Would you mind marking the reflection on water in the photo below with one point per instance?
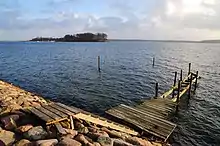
(67, 72)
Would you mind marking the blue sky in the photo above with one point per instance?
(122, 19)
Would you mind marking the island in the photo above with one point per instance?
(79, 37)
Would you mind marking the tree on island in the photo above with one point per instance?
(80, 37)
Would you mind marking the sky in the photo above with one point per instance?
(120, 19)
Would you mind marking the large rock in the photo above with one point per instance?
(156, 144)
(94, 136)
(23, 142)
(36, 133)
(93, 129)
(48, 142)
(24, 128)
(10, 121)
(36, 104)
(89, 144)
(83, 130)
(120, 142)
(81, 138)
(78, 125)
(7, 137)
(69, 142)
(115, 134)
(105, 141)
(71, 132)
(138, 141)
(96, 144)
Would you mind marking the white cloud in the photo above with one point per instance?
(170, 19)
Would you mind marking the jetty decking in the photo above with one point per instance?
(153, 116)
(54, 113)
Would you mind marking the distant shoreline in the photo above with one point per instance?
(172, 41)
(108, 40)
(80, 37)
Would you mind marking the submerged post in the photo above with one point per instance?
(153, 61)
(174, 84)
(178, 96)
(99, 68)
(197, 74)
(156, 90)
(181, 75)
(190, 86)
(189, 68)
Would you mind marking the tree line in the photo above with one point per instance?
(80, 37)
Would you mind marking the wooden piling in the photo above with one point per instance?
(178, 96)
(174, 84)
(156, 90)
(190, 86)
(99, 68)
(181, 75)
(195, 86)
(153, 61)
(189, 68)
(71, 122)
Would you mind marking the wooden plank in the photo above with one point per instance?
(152, 119)
(41, 115)
(153, 112)
(105, 123)
(157, 109)
(48, 113)
(72, 109)
(60, 128)
(159, 106)
(164, 101)
(150, 123)
(141, 123)
(137, 111)
(61, 109)
(55, 111)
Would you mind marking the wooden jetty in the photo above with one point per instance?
(153, 116)
(54, 113)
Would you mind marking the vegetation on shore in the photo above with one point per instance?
(80, 37)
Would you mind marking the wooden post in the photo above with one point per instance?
(156, 90)
(71, 122)
(190, 86)
(99, 69)
(189, 68)
(197, 74)
(181, 75)
(174, 84)
(153, 61)
(178, 96)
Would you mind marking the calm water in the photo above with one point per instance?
(67, 72)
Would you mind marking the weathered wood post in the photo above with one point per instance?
(190, 86)
(197, 74)
(153, 61)
(99, 68)
(189, 68)
(156, 90)
(178, 96)
(181, 75)
(174, 84)
(71, 122)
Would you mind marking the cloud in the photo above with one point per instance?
(159, 19)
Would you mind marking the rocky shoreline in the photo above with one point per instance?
(20, 128)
